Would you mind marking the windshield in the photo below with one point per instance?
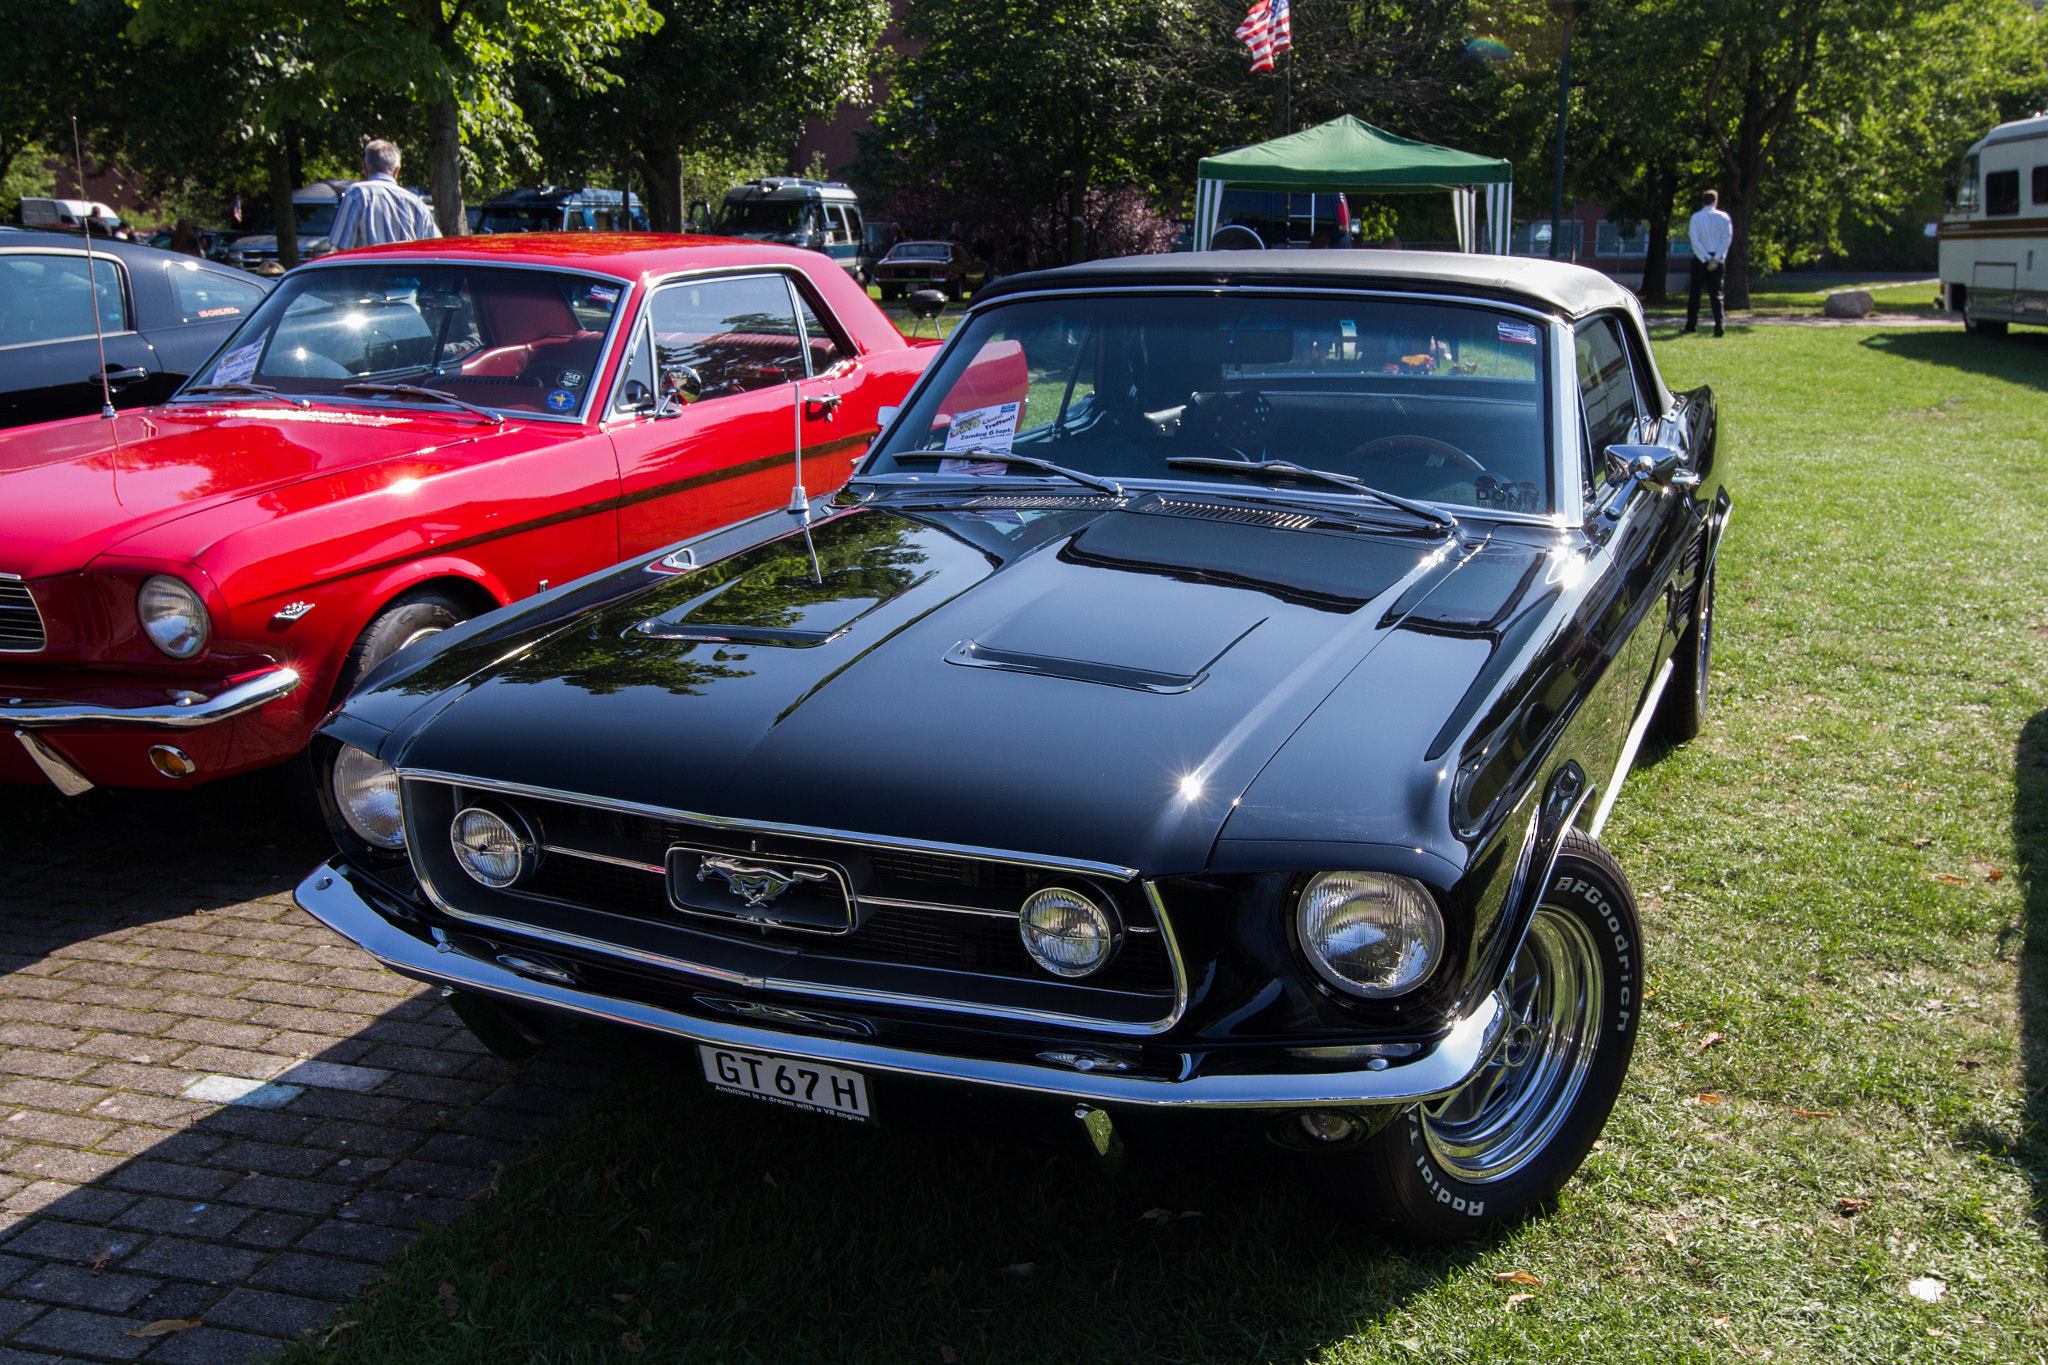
(1440, 402)
(921, 251)
(509, 339)
(763, 215)
(498, 219)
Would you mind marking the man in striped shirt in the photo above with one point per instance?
(375, 209)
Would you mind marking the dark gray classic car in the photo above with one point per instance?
(1206, 698)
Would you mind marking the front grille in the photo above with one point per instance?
(21, 625)
(1255, 516)
(918, 908)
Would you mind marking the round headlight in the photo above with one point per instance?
(491, 848)
(366, 794)
(1065, 932)
(173, 617)
(1370, 933)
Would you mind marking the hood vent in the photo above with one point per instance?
(1041, 500)
(21, 625)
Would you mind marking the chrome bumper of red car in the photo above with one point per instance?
(187, 711)
(330, 896)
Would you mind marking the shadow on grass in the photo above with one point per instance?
(703, 1227)
(2028, 1148)
(2021, 357)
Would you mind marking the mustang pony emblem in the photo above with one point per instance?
(757, 882)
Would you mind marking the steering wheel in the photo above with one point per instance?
(1422, 450)
(1237, 421)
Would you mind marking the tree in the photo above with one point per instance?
(453, 57)
(717, 81)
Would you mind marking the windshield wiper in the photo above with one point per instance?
(415, 391)
(1302, 471)
(976, 453)
(250, 390)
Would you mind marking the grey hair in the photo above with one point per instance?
(380, 156)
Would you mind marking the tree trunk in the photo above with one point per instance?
(1742, 210)
(1077, 212)
(444, 166)
(661, 170)
(281, 212)
(295, 154)
(1657, 258)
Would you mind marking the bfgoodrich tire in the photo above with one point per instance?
(1502, 1147)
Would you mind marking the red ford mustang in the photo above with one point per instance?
(396, 439)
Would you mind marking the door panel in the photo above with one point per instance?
(49, 358)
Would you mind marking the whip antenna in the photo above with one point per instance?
(92, 279)
(798, 499)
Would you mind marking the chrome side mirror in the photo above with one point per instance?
(1632, 466)
(680, 386)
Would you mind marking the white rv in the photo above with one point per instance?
(1994, 237)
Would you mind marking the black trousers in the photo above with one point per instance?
(1712, 279)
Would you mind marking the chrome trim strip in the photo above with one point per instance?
(264, 688)
(894, 903)
(62, 775)
(604, 858)
(328, 896)
(1628, 751)
(993, 855)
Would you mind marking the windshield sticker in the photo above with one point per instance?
(992, 428)
(239, 365)
(561, 400)
(1523, 333)
(571, 379)
(603, 294)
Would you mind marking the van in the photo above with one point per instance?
(822, 215)
(1994, 236)
(552, 208)
(68, 215)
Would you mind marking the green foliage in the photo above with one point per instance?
(27, 175)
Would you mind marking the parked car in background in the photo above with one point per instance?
(160, 315)
(313, 210)
(70, 215)
(553, 209)
(818, 215)
(945, 266)
(212, 241)
(1206, 699)
(1994, 236)
(394, 440)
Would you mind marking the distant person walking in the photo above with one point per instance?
(375, 209)
(1713, 232)
(185, 239)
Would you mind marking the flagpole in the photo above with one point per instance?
(1289, 128)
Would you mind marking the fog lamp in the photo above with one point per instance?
(1065, 932)
(491, 849)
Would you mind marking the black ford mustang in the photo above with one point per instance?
(1207, 696)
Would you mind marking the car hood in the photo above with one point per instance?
(75, 489)
(1105, 693)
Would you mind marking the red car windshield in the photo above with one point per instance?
(497, 337)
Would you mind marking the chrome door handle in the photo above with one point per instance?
(114, 376)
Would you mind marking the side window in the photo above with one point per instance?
(1607, 388)
(737, 335)
(821, 339)
(2002, 193)
(204, 295)
(636, 376)
(47, 298)
(856, 234)
(2041, 184)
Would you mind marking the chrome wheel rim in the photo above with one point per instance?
(1506, 1115)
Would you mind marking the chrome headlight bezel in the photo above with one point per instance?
(511, 856)
(367, 796)
(173, 616)
(1068, 931)
(1375, 907)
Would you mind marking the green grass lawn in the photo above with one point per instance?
(1768, 299)
(1838, 1089)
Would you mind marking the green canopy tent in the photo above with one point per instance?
(1349, 154)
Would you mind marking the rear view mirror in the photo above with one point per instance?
(680, 387)
(1263, 346)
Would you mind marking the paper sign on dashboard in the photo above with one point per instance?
(238, 365)
(992, 429)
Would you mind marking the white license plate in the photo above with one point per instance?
(787, 1080)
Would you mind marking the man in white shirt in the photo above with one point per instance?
(1713, 232)
(375, 209)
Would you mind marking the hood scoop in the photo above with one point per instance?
(1338, 572)
(1073, 633)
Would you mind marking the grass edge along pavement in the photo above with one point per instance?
(1828, 1117)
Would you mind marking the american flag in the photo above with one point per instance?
(1265, 32)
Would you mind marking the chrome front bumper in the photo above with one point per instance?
(258, 689)
(329, 896)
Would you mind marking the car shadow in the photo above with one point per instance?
(148, 943)
(2020, 357)
(2028, 941)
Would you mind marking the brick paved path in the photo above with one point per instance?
(210, 1105)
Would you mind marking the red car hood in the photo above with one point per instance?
(75, 489)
